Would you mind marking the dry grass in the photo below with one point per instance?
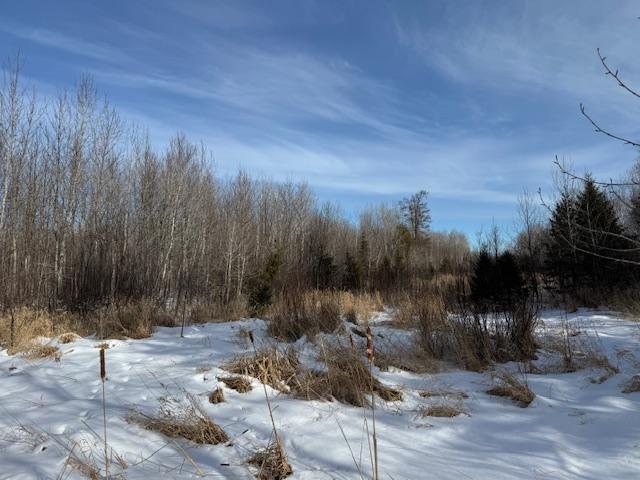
(30, 324)
(68, 337)
(443, 410)
(270, 365)
(217, 312)
(578, 351)
(297, 314)
(84, 468)
(37, 351)
(516, 389)
(632, 385)
(217, 396)
(443, 393)
(181, 419)
(407, 356)
(237, 383)
(130, 320)
(348, 379)
(272, 463)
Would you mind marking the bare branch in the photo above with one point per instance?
(598, 129)
(615, 75)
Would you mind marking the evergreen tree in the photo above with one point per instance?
(261, 287)
(363, 259)
(634, 214)
(599, 236)
(561, 254)
(352, 279)
(483, 286)
(509, 282)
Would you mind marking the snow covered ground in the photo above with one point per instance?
(576, 428)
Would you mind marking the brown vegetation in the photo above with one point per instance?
(68, 337)
(516, 389)
(181, 419)
(270, 365)
(632, 385)
(446, 410)
(237, 383)
(36, 351)
(217, 396)
(272, 463)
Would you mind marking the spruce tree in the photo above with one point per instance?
(561, 254)
(599, 236)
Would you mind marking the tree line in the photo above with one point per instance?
(91, 214)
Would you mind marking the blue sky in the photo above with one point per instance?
(367, 100)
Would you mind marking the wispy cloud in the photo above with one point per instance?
(70, 44)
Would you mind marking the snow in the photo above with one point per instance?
(575, 428)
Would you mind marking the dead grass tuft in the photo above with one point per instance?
(68, 337)
(217, 396)
(181, 419)
(348, 379)
(443, 393)
(37, 351)
(272, 463)
(513, 388)
(632, 385)
(84, 468)
(237, 383)
(270, 365)
(443, 410)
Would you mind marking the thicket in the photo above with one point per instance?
(92, 217)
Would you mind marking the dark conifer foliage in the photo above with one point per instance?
(586, 241)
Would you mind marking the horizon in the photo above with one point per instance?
(471, 104)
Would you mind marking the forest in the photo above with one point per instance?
(161, 317)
